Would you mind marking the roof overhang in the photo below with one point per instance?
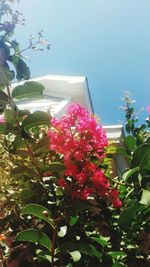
(59, 92)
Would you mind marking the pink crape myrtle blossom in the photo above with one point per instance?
(78, 138)
(2, 120)
(115, 198)
(148, 109)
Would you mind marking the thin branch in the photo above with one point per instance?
(10, 100)
(119, 183)
(53, 246)
(27, 48)
(31, 45)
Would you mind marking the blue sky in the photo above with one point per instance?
(106, 40)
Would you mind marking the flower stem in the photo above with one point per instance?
(2, 258)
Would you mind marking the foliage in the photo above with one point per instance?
(60, 201)
(134, 219)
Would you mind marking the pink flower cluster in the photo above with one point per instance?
(2, 120)
(148, 109)
(81, 141)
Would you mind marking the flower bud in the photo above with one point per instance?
(45, 213)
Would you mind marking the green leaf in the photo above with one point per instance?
(93, 252)
(5, 50)
(18, 172)
(10, 75)
(139, 154)
(42, 146)
(35, 119)
(73, 220)
(44, 257)
(3, 128)
(83, 247)
(4, 76)
(7, 128)
(127, 216)
(76, 255)
(35, 236)
(117, 254)
(145, 163)
(63, 230)
(145, 199)
(102, 240)
(28, 90)
(10, 116)
(130, 142)
(23, 71)
(127, 174)
(3, 98)
(2, 84)
(26, 194)
(38, 211)
(19, 143)
(55, 166)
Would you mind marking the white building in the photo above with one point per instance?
(59, 92)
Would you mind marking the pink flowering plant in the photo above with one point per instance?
(61, 177)
(80, 141)
(61, 202)
(76, 184)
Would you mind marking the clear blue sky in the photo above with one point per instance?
(106, 40)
